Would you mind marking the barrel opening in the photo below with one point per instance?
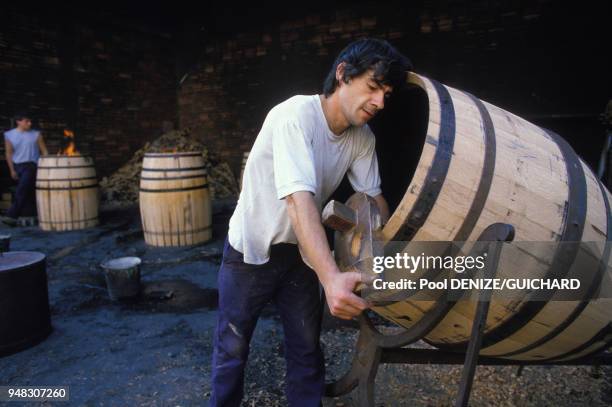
(400, 129)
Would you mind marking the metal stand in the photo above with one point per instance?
(373, 347)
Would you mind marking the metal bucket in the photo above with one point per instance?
(122, 277)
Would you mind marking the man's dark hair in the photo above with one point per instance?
(20, 116)
(388, 63)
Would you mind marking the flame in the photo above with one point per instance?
(70, 148)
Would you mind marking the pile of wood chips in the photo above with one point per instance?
(122, 186)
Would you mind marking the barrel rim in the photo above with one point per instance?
(432, 184)
(65, 156)
(117, 263)
(395, 225)
(38, 257)
(177, 154)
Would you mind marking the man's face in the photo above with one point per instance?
(362, 98)
(24, 124)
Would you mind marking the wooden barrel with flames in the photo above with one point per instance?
(175, 203)
(479, 165)
(67, 196)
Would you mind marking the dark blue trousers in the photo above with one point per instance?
(244, 290)
(24, 203)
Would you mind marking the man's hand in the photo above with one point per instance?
(338, 286)
(14, 175)
(41, 145)
(342, 302)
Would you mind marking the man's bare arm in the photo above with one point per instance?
(338, 286)
(8, 153)
(41, 145)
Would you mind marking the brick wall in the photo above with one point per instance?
(116, 82)
(113, 83)
(521, 56)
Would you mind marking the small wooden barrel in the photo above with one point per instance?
(245, 157)
(175, 202)
(67, 195)
(481, 165)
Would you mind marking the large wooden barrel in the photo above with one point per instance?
(479, 165)
(25, 318)
(67, 195)
(175, 202)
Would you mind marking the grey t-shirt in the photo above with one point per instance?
(296, 151)
(25, 145)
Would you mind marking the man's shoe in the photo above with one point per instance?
(26, 221)
(7, 220)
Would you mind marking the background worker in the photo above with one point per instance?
(23, 146)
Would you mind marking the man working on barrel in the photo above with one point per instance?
(22, 147)
(305, 146)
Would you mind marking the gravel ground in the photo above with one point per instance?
(156, 352)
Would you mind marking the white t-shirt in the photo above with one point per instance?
(296, 151)
(25, 145)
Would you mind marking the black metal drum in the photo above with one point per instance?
(25, 319)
